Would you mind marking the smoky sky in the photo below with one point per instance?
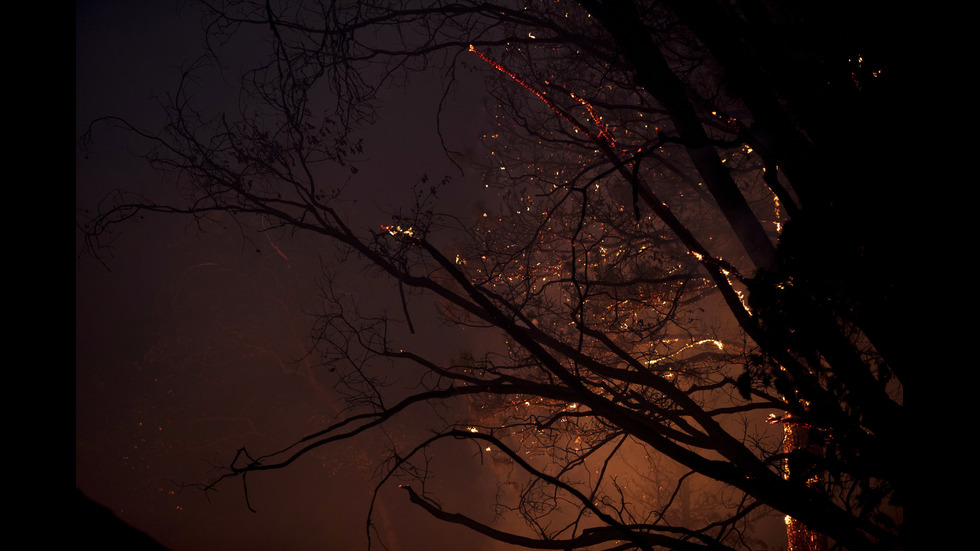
(192, 336)
(191, 339)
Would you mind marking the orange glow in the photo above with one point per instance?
(795, 437)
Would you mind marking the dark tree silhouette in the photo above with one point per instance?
(692, 252)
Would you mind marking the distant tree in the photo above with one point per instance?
(656, 163)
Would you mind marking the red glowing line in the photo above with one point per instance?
(603, 133)
(603, 136)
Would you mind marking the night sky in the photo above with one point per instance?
(190, 344)
(193, 337)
